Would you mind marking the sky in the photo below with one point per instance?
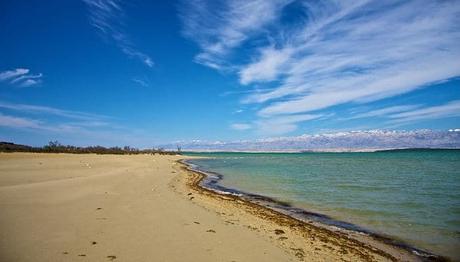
(145, 73)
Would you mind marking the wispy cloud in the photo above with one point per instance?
(35, 109)
(267, 68)
(330, 52)
(240, 126)
(384, 112)
(31, 124)
(6, 75)
(20, 77)
(141, 82)
(450, 109)
(18, 122)
(107, 17)
(359, 53)
(68, 126)
(220, 26)
(283, 124)
(407, 114)
(83, 133)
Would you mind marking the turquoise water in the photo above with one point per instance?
(412, 196)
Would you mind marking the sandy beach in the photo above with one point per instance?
(63, 207)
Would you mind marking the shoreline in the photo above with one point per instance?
(207, 183)
(67, 207)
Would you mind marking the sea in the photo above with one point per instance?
(409, 196)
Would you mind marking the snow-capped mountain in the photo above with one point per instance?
(342, 141)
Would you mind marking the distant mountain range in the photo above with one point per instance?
(353, 141)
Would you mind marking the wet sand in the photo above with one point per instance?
(61, 207)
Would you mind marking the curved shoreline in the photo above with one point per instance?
(207, 182)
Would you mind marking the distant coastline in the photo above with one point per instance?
(351, 141)
(56, 147)
(325, 150)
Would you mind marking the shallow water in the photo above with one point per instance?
(413, 196)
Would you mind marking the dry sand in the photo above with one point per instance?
(61, 207)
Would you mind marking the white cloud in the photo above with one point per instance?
(407, 114)
(25, 123)
(18, 122)
(384, 112)
(220, 26)
(283, 124)
(240, 126)
(360, 88)
(20, 77)
(74, 127)
(25, 77)
(335, 52)
(78, 133)
(450, 109)
(360, 53)
(107, 17)
(140, 82)
(5, 75)
(29, 82)
(267, 68)
(34, 109)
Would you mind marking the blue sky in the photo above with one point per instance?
(144, 73)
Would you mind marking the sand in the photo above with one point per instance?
(62, 207)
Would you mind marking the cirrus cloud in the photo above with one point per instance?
(20, 77)
(240, 126)
(107, 17)
(327, 53)
(220, 26)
